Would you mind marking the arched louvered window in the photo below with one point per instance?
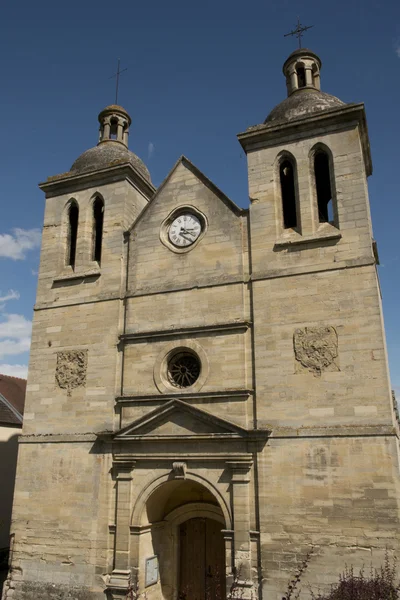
(73, 218)
(323, 187)
(98, 218)
(288, 193)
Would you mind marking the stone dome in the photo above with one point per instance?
(112, 148)
(106, 155)
(302, 103)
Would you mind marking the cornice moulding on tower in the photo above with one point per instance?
(66, 182)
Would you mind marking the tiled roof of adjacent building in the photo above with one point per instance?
(12, 400)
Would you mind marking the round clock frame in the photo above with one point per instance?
(181, 237)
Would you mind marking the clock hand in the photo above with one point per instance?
(184, 236)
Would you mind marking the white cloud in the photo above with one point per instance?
(14, 370)
(15, 326)
(150, 149)
(10, 295)
(14, 347)
(15, 335)
(16, 246)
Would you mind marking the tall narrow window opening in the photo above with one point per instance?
(301, 77)
(73, 217)
(286, 174)
(323, 187)
(98, 217)
(315, 76)
(113, 129)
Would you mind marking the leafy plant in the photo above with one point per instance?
(381, 584)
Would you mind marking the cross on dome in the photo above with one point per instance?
(298, 31)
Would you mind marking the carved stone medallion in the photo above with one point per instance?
(316, 349)
(71, 369)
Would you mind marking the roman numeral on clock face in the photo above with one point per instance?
(184, 230)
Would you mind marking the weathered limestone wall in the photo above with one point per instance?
(60, 521)
(225, 356)
(339, 494)
(329, 476)
(354, 388)
(8, 464)
(63, 500)
(122, 204)
(220, 257)
(58, 335)
(193, 307)
(276, 251)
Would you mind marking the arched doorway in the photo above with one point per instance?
(181, 526)
(201, 560)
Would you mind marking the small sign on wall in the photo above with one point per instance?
(151, 571)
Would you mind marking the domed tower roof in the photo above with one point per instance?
(302, 72)
(113, 145)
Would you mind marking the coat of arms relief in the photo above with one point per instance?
(316, 350)
(71, 369)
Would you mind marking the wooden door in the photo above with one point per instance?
(202, 560)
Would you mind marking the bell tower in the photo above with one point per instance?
(314, 257)
(81, 281)
(320, 362)
(308, 165)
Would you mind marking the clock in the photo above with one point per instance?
(184, 230)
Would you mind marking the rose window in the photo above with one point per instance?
(183, 370)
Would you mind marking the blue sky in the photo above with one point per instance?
(198, 74)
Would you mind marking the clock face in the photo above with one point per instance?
(184, 230)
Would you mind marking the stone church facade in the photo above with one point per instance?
(208, 393)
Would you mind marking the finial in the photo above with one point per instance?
(299, 30)
(117, 74)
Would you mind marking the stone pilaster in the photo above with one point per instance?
(240, 481)
(120, 578)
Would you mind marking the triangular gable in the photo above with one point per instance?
(207, 182)
(179, 419)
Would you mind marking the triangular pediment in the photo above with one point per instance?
(177, 419)
(187, 164)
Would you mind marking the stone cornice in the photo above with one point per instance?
(331, 431)
(272, 432)
(67, 182)
(257, 276)
(77, 276)
(57, 438)
(226, 395)
(240, 326)
(307, 239)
